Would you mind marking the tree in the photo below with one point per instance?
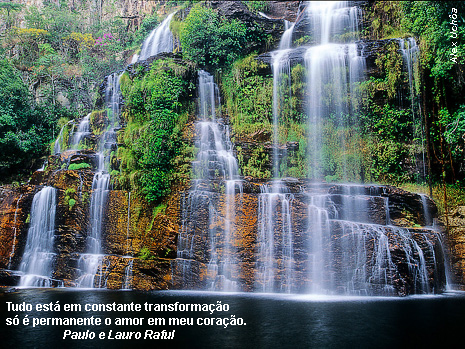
(24, 130)
(9, 7)
(210, 40)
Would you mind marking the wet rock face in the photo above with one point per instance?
(287, 10)
(71, 226)
(456, 238)
(140, 242)
(15, 205)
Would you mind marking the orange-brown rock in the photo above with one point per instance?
(136, 230)
(15, 204)
(456, 238)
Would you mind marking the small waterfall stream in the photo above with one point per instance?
(82, 131)
(91, 263)
(127, 280)
(39, 253)
(57, 146)
(160, 40)
(215, 165)
(411, 53)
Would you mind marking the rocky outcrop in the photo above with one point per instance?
(287, 10)
(456, 238)
(72, 221)
(264, 27)
(144, 234)
(15, 205)
(140, 240)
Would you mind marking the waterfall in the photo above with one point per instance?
(129, 221)
(275, 223)
(286, 39)
(160, 40)
(331, 18)
(334, 69)
(329, 64)
(215, 162)
(275, 202)
(90, 263)
(426, 211)
(82, 131)
(127, 280)
(410, 54)
(321, 238)
(38, 257)
(57, 146)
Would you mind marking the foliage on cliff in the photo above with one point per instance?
(25, 128)
(61, 52)
(210, 40)
(156, 113)
(248, 89)
(439, 28)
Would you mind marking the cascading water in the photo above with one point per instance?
(57, 145)
(426, 212)
(215, 165)
(127, 280)
(91, 262)
(275, 204)
(275, 225)
(343, 247)
(411, 53)
(39, 253)
(128, 269)
(310, 237)
(82, 131)
(160, 40)
(333, 71)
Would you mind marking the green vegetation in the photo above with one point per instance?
(152, 138)
(55, 55)
(455, 194)
(439, 28)
(248, 88)
(70, 198)
(256, 6)
(59, 53)
(79, 166)
(210, 40)
(145, 254)
(25, 128)
(385, 18)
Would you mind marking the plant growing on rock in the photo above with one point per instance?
(210, 40)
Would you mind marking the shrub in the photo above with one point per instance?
(210, 40)
(79, 166)
(152, 136)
